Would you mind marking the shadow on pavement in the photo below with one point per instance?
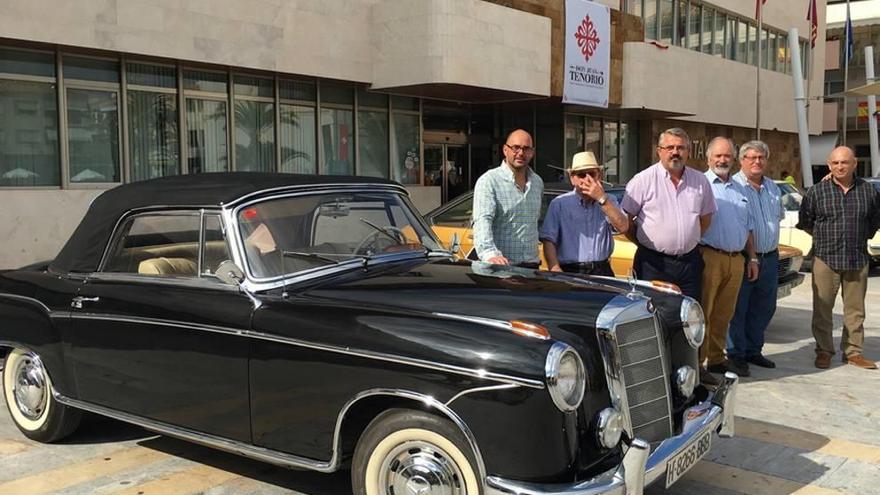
(305, 482)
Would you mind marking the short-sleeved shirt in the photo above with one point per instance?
(668, 217)
(733, 219)
(505, 217)
(841, 223)
(579, 228)
(767, 210)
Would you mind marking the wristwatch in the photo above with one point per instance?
(602, 200)
(754, 260)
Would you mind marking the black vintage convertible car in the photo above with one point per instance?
(316, 322)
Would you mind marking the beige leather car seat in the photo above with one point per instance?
(181, 267)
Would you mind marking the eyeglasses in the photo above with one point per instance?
(517, 148)
(755, 158)
(584, 173)
(672, 147)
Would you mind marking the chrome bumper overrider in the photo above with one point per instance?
(639, 469)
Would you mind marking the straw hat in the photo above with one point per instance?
(585, 160)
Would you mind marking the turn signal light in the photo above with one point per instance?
(669, 286)
(527, 329)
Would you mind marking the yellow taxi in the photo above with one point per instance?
(454, 217)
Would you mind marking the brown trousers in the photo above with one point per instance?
(853, 285)
(722, 278)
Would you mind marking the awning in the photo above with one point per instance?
(866, 90)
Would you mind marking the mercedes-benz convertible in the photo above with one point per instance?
(316, 322)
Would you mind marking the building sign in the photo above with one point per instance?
(587, 53)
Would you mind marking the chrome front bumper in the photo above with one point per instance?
(638, 469)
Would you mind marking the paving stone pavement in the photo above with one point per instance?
(800, 430)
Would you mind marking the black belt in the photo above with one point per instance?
(584, 265)
(728, 253)
(768, 253)
(670, 256)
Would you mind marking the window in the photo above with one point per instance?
(459, 215)
(294, 234)
(93, 135)
(206, 121)
(753, 45)
(35, 160)
(742, 42)
(574, 136)
(609, 150)
(154, 149)
(405, 147)
(337, 129)
(667, 21)
(372, 125)
(214, 250)
(159, 244)
(650, 17)
(254, 124)
(695, 18)
(718, 35)
(707, 38)
(298, 133)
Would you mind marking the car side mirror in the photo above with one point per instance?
(230, 273)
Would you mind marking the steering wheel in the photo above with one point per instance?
(372, 243)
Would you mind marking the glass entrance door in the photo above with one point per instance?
(446, 166)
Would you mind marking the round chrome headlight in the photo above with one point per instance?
(686, 380)
(692, 322)
(566, 377)
(609, 427)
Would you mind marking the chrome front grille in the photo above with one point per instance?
(644, 376)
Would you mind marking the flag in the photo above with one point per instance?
(849, 35)
(813, 17)
(758, 4)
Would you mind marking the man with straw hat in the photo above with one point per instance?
(576, 232)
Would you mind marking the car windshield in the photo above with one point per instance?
(292, 234)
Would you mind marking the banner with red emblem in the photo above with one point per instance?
(587, 53)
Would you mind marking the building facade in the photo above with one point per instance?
(99, 92)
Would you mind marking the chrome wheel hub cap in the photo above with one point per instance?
(30, 389)
(419, 468)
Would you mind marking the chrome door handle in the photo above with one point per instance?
(77, 301)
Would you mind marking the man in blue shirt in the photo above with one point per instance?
(756, 303)
(576, 233)
(729, 234)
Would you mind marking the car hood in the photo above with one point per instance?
(472, 289)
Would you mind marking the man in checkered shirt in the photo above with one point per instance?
(841, 214)
(507, 204)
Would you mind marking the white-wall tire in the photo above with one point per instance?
(27, 390)
(404, 447)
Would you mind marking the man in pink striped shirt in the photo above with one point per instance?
(672, 207)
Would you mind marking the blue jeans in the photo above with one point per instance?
(755, 307)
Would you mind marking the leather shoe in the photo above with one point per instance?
(741, 368)
(708, 379)
(823, 360)
(860, 361)
(760, 360)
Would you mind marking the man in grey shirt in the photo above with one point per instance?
(507, 204)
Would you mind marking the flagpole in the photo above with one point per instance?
(758, 73)
(847, 34)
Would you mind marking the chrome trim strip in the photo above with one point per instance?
(461, 394)
(26, 299)
(428, 401)
(490, 322)
(204, 282)
(300, 189)
(474, 373)
(235, 447)
(273, 456)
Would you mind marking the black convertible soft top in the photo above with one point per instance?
(84, 249)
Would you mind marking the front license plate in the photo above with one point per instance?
(783, 291)
(686, 459)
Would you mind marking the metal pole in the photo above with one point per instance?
(800, 104)
(872, 110)
(758, 74)
(845, 68)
